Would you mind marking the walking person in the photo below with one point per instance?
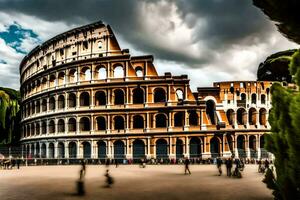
(187, 164)
(18, 163)
(228, 166)
(219, 165)
(109, 179)
(80, 182)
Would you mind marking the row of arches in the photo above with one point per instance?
(242, 117)
(101, 123)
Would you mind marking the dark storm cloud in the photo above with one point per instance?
(227, 22)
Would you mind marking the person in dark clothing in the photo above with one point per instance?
(109, 179)
(228, 166)
(18, 163)
(80, 182)
(186, 164)
(219, 165)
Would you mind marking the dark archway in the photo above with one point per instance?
(263, 116)
(61, 102)
(101, 149)
(119, 123)
(211, 111)
(161, 149)
(195, 147)
(100, 98)
(179, 149)
(119, 150)
(241, 116)
(253, 98)
(72, 125)
(61, 126)
(138, 149)
(72, 150)
(179, 119)
(138, 96)
(252, 116)
(61, 150)
(84, 99)
(119, 97)
(161, 121)
(52, 103)
(138, 121)
(159, 95)
(51, 126)
(241, 146)
(86, 149)
(43, 151)
(215, 147)
(101, 123)
(230, 116)
(84, 124)
(72, 100)
(193, 118)
(51, 150)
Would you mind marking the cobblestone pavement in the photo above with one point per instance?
(131, 182)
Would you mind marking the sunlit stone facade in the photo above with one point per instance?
(85, 97)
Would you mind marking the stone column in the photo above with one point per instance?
(55, 150)
(170, 124)
(186, 121)
(148, 148)
(236, 152)
(258, 147)
(248, 147)
(187, 147)
(66, 145)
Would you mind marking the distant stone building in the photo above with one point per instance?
(85, 97)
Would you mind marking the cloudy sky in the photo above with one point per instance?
(209, 40)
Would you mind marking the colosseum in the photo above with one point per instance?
(85, 97)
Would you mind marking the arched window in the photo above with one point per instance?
(243, 97)
(101, 123)
(179, 119)
(44, 127)
(241, 116)
(44, 83)
(263, 116)
(101, 149)
(84, 124)
(161, 121)
(72, 100)
(102, 73)
(252, 116)
(253, 98)
(215, 147)
(51, 126)
(61, 126)
(119, 97)
(138, 150)
(138, 121)
(61, 102)
(263, 99)
(118, 72)
(72, 150)
(139, 72)
(53, 81)
(84, 99)
(211, 111)
(161, 149)
(100, 98)
(37, 128)
(179, 94)
(52, 103)
(73, 76)
(32, 130)
(138, 96)
(119, 150)
(85, 74)
(51, 150)
(86, 150)
(159, 95)
(72, 125)
(61, 78)
(43, 150)
(193, 118)
(230, 116)
(61, 150)
(119, 123)
(44, 105)
(37, 106)
(179, 149)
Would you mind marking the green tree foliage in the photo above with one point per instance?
(285, 13)
(9, 116)
(284, 141)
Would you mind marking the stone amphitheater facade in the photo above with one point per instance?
(85, 97)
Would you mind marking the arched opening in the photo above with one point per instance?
(264, 152)
(119, 97)
(263, 99)
(52, 103)
(38, 85)
(252, 146)
(43, 151)
(138, 96)
(253, 98)
(101, 149)
(138, 121)
(119, 150)
(37, 106)
(51, 150)
(119, 123)
(193, 118)
(159, 95)
(101, 72)
(44, 127)
(84, 124)
(138, 149)
(100, 98)
(37, 128)
(61, 102)
(61, 150)
(241, 146)
(179, 94)
(139, 72)
(37, 150)
(263, 116)
(230, 116)
(101, 123)
(52, 81)
(118, 72)
(72, 125)
(51, 126)
(72, 150)
(241, 116)
(252, 116)
(179, 119)
(86, 74)
(72, 76)
(262, 141)
(195, 147)
(243, 97)
(160, 121)
(179, 149)
(32, 130)
(84, 99)
(211, 111)
(61, 78)
(61, 126)
(161, 149)
(44, 83)
(32, 108)
(215, 147)
(72, 100)
(86, 150)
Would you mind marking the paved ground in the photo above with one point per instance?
(131, 182)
